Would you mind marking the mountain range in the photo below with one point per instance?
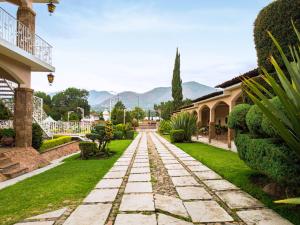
(100, 100)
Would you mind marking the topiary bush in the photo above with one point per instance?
(177, 136)
(118, 135)
(37, 136)
(276, 18)
(237, 117)
(270, 158)
(253, 120)
(165, 127)
(266, 124)
(88, 149)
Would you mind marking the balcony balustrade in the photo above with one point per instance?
(17, 34)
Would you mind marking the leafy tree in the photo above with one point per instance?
(117, 114)
(177, 83)
(165, 109)
(101, 116)
(138, 113)
(70, 100)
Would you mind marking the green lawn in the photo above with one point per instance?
(229, 166)
(64, 185)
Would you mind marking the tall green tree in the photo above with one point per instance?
(138, 113)
(70, 100)
(177, 83)
(117, 114)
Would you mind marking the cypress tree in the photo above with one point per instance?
(177, 83)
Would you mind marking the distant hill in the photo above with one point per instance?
(99, 100)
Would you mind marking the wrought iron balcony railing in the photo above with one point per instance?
(16, 33)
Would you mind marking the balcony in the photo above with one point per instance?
(19, 43)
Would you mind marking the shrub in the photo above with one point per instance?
(165, 127)
(37, 136)
(129, 134)
(276, 18)
(88, 149)
(120, 127)
(177, 136)
(187, 122)
(237, 117)
(269, 158)
(47, 144)
(7, 132)
(267, 125)
(253, 120)
(118, 135)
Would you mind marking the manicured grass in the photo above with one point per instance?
(230, 167)
(64, 185)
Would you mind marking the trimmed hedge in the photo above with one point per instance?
(47, 144)
(118, 135)
(88, 149)
(270, 158)
(266, 124)
(37, 136)
(177, 136)
(237, 117)
(253, 120)
(276, 18)
(129, 134)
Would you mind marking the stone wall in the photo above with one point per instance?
(60, 151)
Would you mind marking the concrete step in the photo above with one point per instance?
(4, 159)
(9, 166)
(15, 173)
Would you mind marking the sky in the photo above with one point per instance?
(130, 45)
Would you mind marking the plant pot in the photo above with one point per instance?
(7, 141)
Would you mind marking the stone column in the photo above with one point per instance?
(230, 137)
(23, 116)
(211, 131)
(27, 17)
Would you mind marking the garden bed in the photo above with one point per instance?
(60, 151)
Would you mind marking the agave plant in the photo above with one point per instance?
(287, 89)
(186, 122)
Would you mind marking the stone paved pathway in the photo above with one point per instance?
(156, 183)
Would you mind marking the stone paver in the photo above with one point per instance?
(192, 193)
(115, 174)
(37, 223)
(184, 181)
(140, 170)
(178, 173)
(208, 175)
(51, 215)
(119, 168)
(135, 219)
(138, 165)
(137, 202)
(89, 215)
(238, 199)
(101, 195)
(174, 167)
(220, 185)
(171, 205)
(207, 211)
(262, 217)
(198, 168)
(110, 183)
(139, 177)
(138, 187)
(169, 220)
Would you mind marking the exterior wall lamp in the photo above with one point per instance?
(50, 77)
(51, 7)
